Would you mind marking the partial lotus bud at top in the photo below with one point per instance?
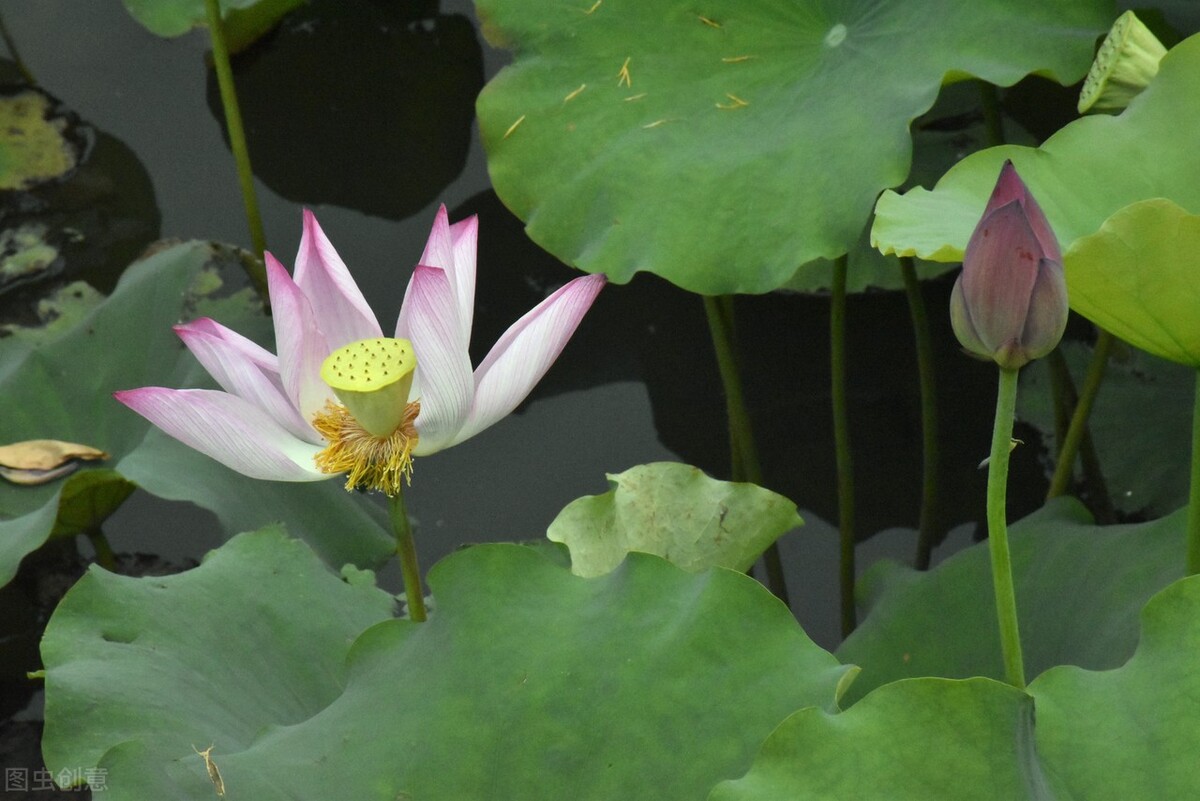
(1009, 304)
(1125, 64)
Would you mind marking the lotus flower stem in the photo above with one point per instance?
(1083, 408)
(744, 463)
(992, 118)
(104, 552)
(12, 52)
(930, 525)
(237, 143)
(1064, 398)
(841, 439)
(997, 486)
(1193, 557)
(407, 552)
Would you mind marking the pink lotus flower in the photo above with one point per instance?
(1009, 304)
(277, 419)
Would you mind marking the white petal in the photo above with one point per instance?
(443, 364)
(301, 344)
(238, 374)
(340, 308)
(525, 352)
(233, 431)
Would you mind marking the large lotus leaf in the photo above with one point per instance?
(1146, 473)
(1139, 277)
(527, 682)
(60, 387)
(721, 146)
(914, 740)
(1081, 176)
(257, 634)
(951, 130)
(177, 17)
(1120, 734)
(1079, 589)
(676, 512)
(1131, 732)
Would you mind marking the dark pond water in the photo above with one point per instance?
(363, 111)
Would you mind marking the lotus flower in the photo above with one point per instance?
(279, 418)
(1009, 304)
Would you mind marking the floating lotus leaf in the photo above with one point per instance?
(248, 18)
(1108, 736)
(723, 145)
(1081, 176)
(258, 633)
(59, 386)
(1145, 474)
(34, 147)
(910, 741)
(676, 512)
(527, 681)
(1079, 589)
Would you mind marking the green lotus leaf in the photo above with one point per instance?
(1125, 733)
(1113, 735)
(89, 498)
(526, 682)
(676, 512)
(1081, 176)
(59, 385)
(1145, 474)
(909, 741)
(1079, 589)
(1139, 277)
(258, 633)
(248, 18)
(722, 146)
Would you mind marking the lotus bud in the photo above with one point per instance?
(1009, 304)
(1125, 64)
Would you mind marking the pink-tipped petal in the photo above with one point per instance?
(233, 431)
(465, 238)
(439, 248)
(1010, 187)
(261, 357)
(340, 308)
(1000, 266)
(525, 352)
(451, 248)
(299, 341)
(237, 373)
(443, 363)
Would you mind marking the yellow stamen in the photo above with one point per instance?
(371, 462)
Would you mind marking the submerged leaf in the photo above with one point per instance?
(34, 147)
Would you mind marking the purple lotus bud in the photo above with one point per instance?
(1009, 304)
